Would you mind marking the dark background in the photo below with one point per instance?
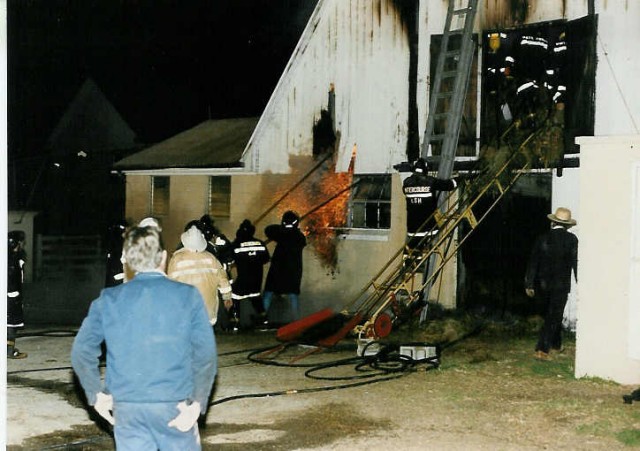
(164, 65)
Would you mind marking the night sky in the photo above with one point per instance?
(165, 65)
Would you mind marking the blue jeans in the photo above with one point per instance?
(143, 426)
(293, 299)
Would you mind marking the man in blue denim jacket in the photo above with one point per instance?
(161, 353)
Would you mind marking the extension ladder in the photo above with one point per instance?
(449, 88)
(393, 293)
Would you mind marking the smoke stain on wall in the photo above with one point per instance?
(408, 12)
(505, 13)
(519, 10)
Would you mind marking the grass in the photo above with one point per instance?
(629, 437)
(546, 392)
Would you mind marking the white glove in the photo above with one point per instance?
(187, 417)
(104, 406)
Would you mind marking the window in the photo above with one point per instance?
(160, 196)
(220, 196)
(370, 203)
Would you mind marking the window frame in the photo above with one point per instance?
(154, 195)
(383, 218)
(224, 195)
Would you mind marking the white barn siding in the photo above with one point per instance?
(617, 93)
(360, 47)
(609, 307)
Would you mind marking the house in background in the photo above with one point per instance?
(196, 172)
(83, 197)
(76, 198)
(351, 106)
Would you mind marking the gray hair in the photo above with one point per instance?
(143, 248)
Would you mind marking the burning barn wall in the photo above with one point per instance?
(337, 261)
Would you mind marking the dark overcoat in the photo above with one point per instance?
(285, 272)
(553, 257)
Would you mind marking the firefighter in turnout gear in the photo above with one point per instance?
(15, 278)
(421, 193)
(115, 267)
(217, 243)
(192, 264)
(250, 256)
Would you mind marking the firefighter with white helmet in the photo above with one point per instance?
(192, 264)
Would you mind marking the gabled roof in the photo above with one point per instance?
(90, 124)
(211, 144)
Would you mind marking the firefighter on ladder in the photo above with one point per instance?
(421, 193)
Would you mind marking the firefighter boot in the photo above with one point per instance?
(235, 324)
(262, 322)
(13, 352)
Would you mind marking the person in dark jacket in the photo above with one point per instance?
(15, 278)
(217, 243)
(250, 256)
(285, 272)
(115, 267)
(553, 257)
(421, 193)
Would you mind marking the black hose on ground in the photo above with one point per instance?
(384, 366)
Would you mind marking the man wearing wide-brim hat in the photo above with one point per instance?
(553, 257)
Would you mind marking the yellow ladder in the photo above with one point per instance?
(394, 289)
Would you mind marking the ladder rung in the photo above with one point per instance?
(473, 222)
(461, 11)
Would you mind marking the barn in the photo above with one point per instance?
(350, 108)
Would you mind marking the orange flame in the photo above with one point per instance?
(322, 203)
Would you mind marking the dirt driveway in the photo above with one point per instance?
(488, 394)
